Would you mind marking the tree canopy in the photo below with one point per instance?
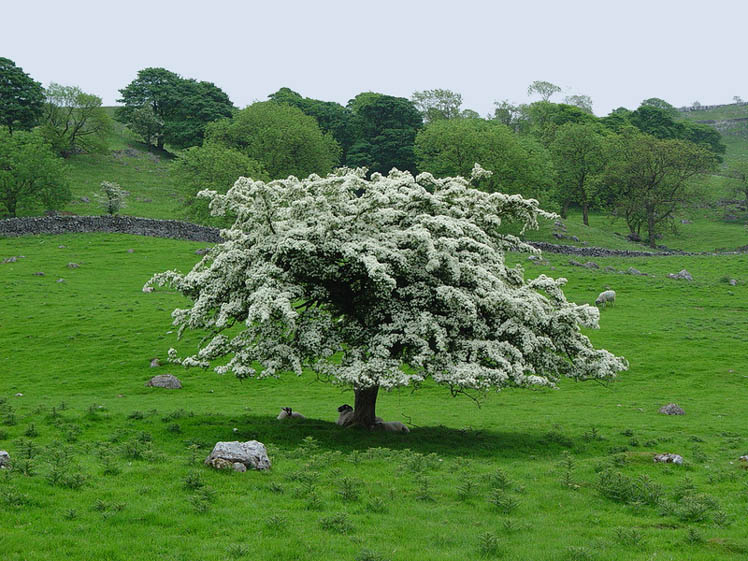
(386, 128)
(21, 97)
(280, 137)
(74, 121)
(544, 89)
(437, 104)
(31, 174)
(518, 164)
(180, 107)
(381, 283)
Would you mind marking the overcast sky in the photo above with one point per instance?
(617, 52)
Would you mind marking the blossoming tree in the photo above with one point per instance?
(381, 283)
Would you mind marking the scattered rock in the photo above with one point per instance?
(743, 458)
(573, 238)
(147, 289)
(558, 236)
(634, 271)
(575, 263)
(85, 200)
(672, 409)
(591, 265)
(60, 247)
(168, 381)
(681, 275)
(686, 221)
(609, 269)
(73, 265)
(60, 280)
(39, 274)
(251, 454)
(130, 250)
(538, 259)
(10, 260)
(155, 363)
(634, 237)
(204, 250)
(730, 217)
(668, 458)
(4, 459)
(19, 394)
(560, 225)
(732, 282)
(240, 467)
(120, 395)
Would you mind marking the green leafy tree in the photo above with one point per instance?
(21, 98)
(739, 172)
(647, 179)
(518, 165)
(331, 117)
(386, 128)
(74, 121)
(583, 102)
(544, 119)
(182, 106)
(513, 116)
(437, 104)
(545, 90)
(658, 103)
(31, 174)
(579, 160)
(211, 166)
(280, 137)
(381, 284)
(144, 122)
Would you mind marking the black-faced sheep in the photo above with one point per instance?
(288, 413)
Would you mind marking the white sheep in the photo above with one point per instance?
(390, 426)
(346, 415)
(288, 413)
(606, 297)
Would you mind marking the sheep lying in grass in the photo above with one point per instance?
(390, 426)
(607, 297)
(288, 413)
(346, 415)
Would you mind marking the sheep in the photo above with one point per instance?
(390, 426)
(346, 415)
(606, 297)
(288, 413)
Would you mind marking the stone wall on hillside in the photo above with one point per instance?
(108, 224)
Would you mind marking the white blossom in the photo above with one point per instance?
(382, 282)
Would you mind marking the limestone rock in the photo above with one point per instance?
(155, 363)
(681, 275)
(130, 250)
(668, 458)
(147, 289)
(73, 265)
(671, 409)
(591, 265)
(251, 454)
(4, 459)
(168, 381)
(39, 274)
(10, 260)
(238, 466)
(634, 271)
(732, 282)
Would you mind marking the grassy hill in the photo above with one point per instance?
(106, 468)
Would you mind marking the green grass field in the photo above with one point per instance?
(105, 468)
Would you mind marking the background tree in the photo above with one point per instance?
(658, 103)
(21, 98)
(579, 161)
(74, 121)
(437, 104)
(280, 137)
(361, 282)
(386, 128)
(738, 170)
(513, 116)
(31, 174)
(518, 165)
(143, 121)
(648, 179)
(211, 166)
(583, 102)
(331, 117)
(545, 90)
(183, 106)
(112, 197)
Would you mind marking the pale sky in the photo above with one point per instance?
(617, 52)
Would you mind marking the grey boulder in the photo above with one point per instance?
(4, 459)
(668, 458)
(251, 454)
(672, 409)
(681, 275)
(168, 381)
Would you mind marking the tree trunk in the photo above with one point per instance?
(365, 406)
(564, 209)
(160, 142)
(586, 214)
(651, 228)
